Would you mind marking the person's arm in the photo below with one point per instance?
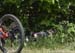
(5, 34)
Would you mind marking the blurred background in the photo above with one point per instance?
(48, 23)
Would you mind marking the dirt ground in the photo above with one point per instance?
(46, 51)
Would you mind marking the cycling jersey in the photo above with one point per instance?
(3, 34)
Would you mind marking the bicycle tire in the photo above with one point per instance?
(15, 19)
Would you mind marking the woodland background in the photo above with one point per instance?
(37, 15)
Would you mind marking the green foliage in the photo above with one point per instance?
(65, 31)
(39, 11)
(39, 15)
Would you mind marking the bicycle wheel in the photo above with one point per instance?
(13, 24)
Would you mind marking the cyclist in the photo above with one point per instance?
(3, 33)
(3, 36)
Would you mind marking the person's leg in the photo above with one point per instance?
(3, 49)
(12, 37)
(2, 43)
